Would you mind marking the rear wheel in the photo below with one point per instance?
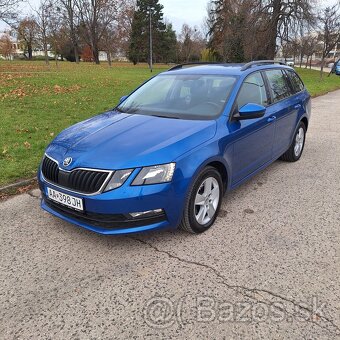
(294, 152)
(203, 202)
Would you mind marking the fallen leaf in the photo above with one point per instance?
(27, 145)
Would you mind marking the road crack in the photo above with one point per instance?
(267, 295)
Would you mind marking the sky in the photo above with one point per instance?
(179, 12)
(191, 12)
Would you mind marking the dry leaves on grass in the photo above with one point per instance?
(29, 90)
(27, 145)
(63, 89)
(22, 131)
(15, 93)
(23, 67)
(10, 80)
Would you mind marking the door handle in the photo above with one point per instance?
(271, 119)
(297, 106)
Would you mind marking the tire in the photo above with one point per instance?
(295, 150)
(195, 219)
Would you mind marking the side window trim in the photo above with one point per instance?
(268, 91)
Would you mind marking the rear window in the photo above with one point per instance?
(278, 85)
(296, 82)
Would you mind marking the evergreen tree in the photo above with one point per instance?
(169, 46)
(163, 36)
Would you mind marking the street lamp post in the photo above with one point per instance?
(150, 38)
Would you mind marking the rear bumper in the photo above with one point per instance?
(108, 213)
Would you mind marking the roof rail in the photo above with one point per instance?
(259, 63)
(197, 63)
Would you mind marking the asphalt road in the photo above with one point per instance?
(268, 269)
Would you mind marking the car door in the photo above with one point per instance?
(253, 138)
(285, 106)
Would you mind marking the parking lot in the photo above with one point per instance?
(268, 269)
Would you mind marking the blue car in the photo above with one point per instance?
(167, 153)
(337, 68)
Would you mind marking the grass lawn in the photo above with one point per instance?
(315, 86)
(37, 102)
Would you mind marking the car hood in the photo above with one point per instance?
(115, 140)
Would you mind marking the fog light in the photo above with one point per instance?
(148, 213)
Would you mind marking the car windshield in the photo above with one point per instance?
(180, 96)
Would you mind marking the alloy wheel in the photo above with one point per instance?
(207, 200)
(299, 140)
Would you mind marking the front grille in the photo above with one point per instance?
(50, 170)
(80, 180)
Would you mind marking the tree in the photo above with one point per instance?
(245, 29)
(9, 10)
(191, 43)
(291, 48)
(311, 46)
(169, 44)
(6, 47)
(108, 42)
(69, 11)
(139, 39)
(329, 35)
(229, 23)
(124, 25)
(186, 42)
(281, 16)
(308, 45)
(28, 35)
(116, 33)
(87, 54)
(95, 17)
(43, 14)
(57, 31)
(208, 55)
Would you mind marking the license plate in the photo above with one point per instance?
(64, 199)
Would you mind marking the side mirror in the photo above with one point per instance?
(122, 99)
(251, 111)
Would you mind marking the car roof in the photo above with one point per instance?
(222, 69)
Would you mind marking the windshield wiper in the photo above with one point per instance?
(162, 116)
(118, 109)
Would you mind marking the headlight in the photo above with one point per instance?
(118, 179)
(155, 174)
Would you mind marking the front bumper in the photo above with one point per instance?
(108, 213)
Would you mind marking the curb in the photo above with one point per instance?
(18, 184)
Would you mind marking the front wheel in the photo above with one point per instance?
(203, 202)
(294, 152)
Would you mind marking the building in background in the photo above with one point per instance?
(10, 47)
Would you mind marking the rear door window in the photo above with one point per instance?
(296, 82)
(278, 85)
